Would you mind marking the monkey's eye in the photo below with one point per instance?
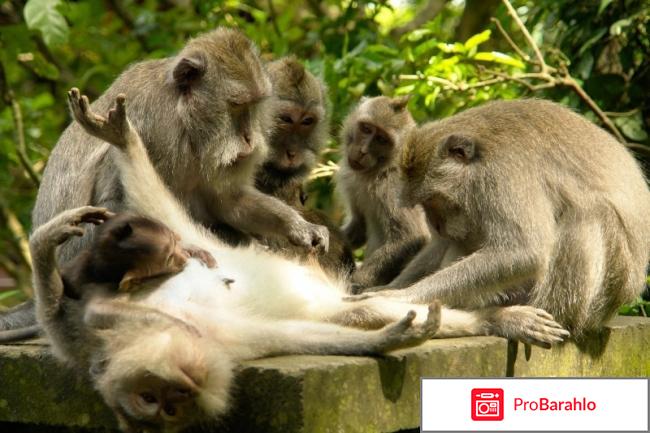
(307, 121)
(148, 397)
(286, 118)
(365, 128)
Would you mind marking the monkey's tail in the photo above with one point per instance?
(19, 334)
(18, 323)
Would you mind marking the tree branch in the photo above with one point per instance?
(21, 148)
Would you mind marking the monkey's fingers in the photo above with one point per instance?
(432, 324)
(80, 107)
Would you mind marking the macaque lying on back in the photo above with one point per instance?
(165, 358)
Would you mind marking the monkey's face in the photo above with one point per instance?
(295, 139)
(369, 146)
(223, 89)
(373, 132)
(161, 381)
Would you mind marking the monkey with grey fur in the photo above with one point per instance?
(370, 185)
(202, 116)
(550, 209)
(300, 130)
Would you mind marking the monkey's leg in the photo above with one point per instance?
(386, 262)
(304, 337)
(523, 323)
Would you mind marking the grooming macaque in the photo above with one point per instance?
(175, 367)
(548, 207)
(299, 131)
(202, 116)
(369, 182)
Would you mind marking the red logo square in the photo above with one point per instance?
(487, 404)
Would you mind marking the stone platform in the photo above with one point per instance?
(312, 394)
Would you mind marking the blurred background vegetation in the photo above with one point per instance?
(591, 55)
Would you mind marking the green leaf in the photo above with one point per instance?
(592, 40)
(497, 57)
(418, 34)
(477, 39)
(43, 15)
(603, 5)
(9, 294)
(632, 126)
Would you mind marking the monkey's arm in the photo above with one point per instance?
(385, 262)
(302, 337)
(254, 212)
(426, 262)
(480, 275)
(48, 285)
(144, 189)
(108, 313)
(354, 230)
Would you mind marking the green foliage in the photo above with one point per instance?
(358, 47)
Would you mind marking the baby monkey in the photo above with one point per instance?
(369, 181)
(127, 250)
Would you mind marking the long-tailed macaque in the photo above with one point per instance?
(552, 211)
(203, 117)
(369, 183)
(300, 125)
(175, 367)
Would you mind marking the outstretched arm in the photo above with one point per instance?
(144, 189)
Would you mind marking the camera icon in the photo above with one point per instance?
(487, 404)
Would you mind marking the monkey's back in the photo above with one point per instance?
(80, 170)
(575, 188)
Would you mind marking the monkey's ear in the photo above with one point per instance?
(188, 70)
(399, 103)
(460, 147)
(122, 231)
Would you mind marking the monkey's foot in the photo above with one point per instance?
(529, 325)
(113, 129)
(67, 224)
(407, 334)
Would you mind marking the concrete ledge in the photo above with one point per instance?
(327, 393)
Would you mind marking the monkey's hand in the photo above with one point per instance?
(113, 129)
(407, 334)
(202, 255)
(310, 236)
(527, 324)
(67, 224)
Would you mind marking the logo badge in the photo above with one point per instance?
(487, 404)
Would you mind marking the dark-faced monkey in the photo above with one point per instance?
(300, 131)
